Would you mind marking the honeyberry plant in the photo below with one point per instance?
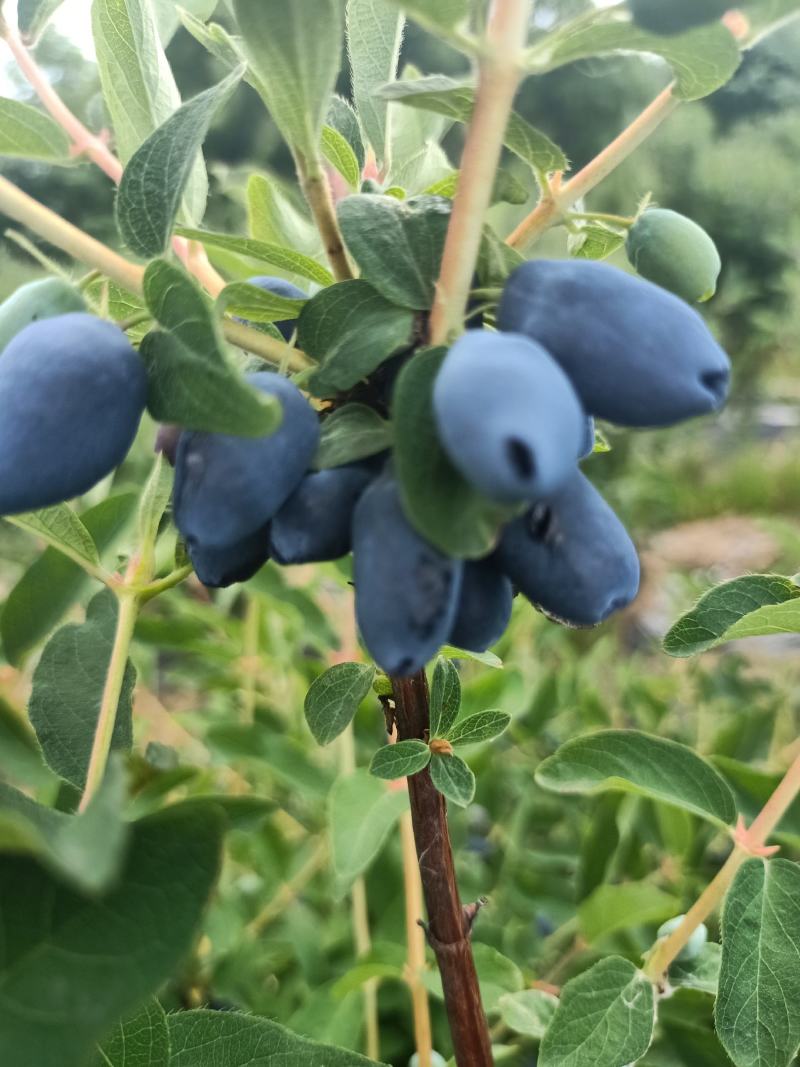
(398, 381)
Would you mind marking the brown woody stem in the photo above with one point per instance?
(448, 925)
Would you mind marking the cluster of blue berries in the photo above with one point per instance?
(514, 411)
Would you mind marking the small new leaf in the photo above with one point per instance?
(340, 155)
(60, 527)
(155, 178)
(454, 779)
(483, 726)
(400, 760)
(445, 697)
(333, 699)
(263, 253)
(529, 1012)
(374, 36)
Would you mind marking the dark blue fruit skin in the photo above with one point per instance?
(636, 354)
(72, 394)
(280, 287)
(315, 523)
(571, 556)
(227, 488)
(484, 607)
(677, 16)
(507, 416)
(218, 568)
(406, 590)
(587, 443)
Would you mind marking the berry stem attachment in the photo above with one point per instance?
(499, 75)
(448, 929)
(749, 843)
(47, 224)
(128, 611)
(557, 201)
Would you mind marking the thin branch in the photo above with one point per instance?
(749, 843)
(275, 907)
(500, 72)
(558, 200)
(317, 191)
(415, 939)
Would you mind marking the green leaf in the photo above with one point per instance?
(400, 760)
(351, 329)
(702, 60)
(342, 117)
(294, 50)
(72, 966)
(444, 13)
(85, 850)
(701, 973)
(453, 778)
(486, 659)
(397, 244)
(60, 527)
(20, 756)
(26, 133)
(456, 100)
(752, 788)
(155, 498)
(759, 981)
(212, 1038)
(595, 241)
(337, 152)
(68, 688)
(497, 975)
(605, 1018)
(483, 726)
(333, 699)
(139, 1041)
(507, 188)
(32, 18)
(157, 174)
(633, 762)
(752, 606)
(445, 697)
(529, 1012)
(190, 380)
(352, 432)
(374, 36)
(442, 506)
(255, 304)
(138, 87)
(275, 218)
(619, 907)
(169, 12)
(361, 814)
(262, 252)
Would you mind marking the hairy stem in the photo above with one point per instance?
(557, 201)
(47, 224)
(500, 72)
(750, 843)
(317, 191)
(448, 925)
(128, 611)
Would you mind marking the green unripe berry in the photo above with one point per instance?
(437, 1060)
(694, 946)
(43, 299)
(675, 253)
(676, 16)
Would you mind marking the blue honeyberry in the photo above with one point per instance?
(636, 354)
(484, 607)
(406, 590)
(72, 394)
(315, 523)
(588, 441)
(670, 17)
(280, 287)
(507, 416)
(228, 488)
(571, 556)
(218, 568)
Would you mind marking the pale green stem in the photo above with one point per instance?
(128, 611)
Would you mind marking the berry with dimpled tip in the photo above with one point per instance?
(571, 556)
(507, 416)
(406, 590)
(72, 393)
(636, 354)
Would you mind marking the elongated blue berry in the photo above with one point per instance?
(72, 394)
(406, 590)
(218, 568)
(636, 354)
(571, 556)
(507, 416)
(227, 488)
(280, 287)
(315, 523)
(484, 607)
